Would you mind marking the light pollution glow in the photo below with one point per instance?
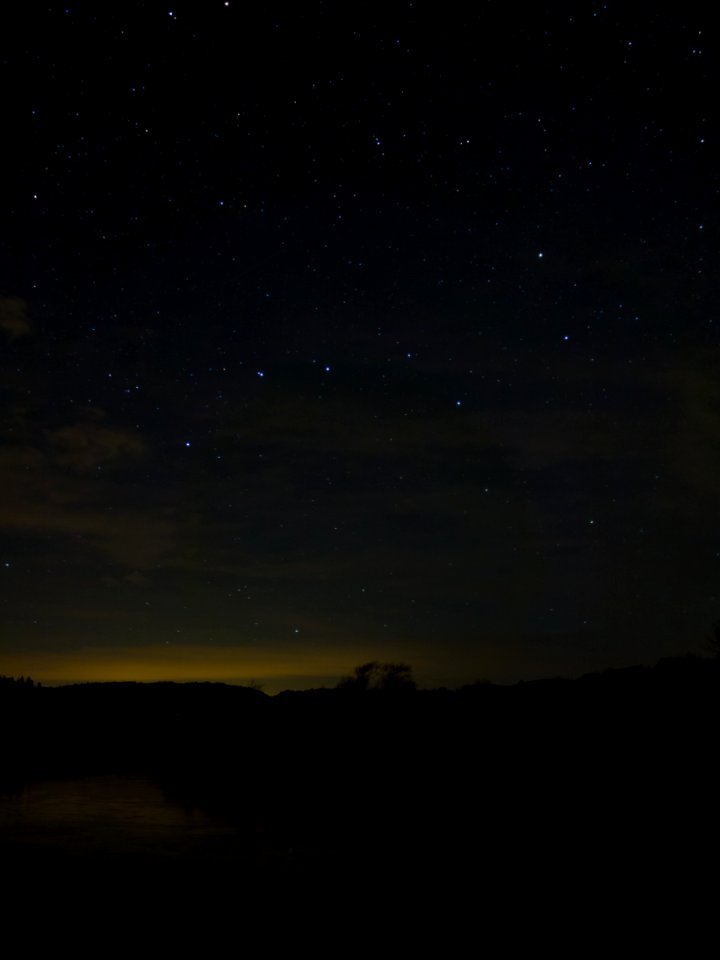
(291, 667)
(276, 669)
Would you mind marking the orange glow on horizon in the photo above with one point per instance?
(275, 669)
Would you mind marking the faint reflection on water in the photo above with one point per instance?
(108, 816)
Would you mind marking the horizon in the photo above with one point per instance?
(278, 683)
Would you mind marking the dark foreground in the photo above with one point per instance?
(197, 806)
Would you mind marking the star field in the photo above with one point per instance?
(327, 337)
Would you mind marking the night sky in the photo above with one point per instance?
(332, 333)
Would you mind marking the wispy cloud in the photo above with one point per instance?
(14, 321)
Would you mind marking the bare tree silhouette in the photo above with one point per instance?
(374, 675)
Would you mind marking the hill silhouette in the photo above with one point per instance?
(555, 780)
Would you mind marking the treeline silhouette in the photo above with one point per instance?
(10, 684)
(375, 778)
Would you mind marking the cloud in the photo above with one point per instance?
(13, 318)
(53, 489)
(690, 433)
(85, 446)
(132, 538)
